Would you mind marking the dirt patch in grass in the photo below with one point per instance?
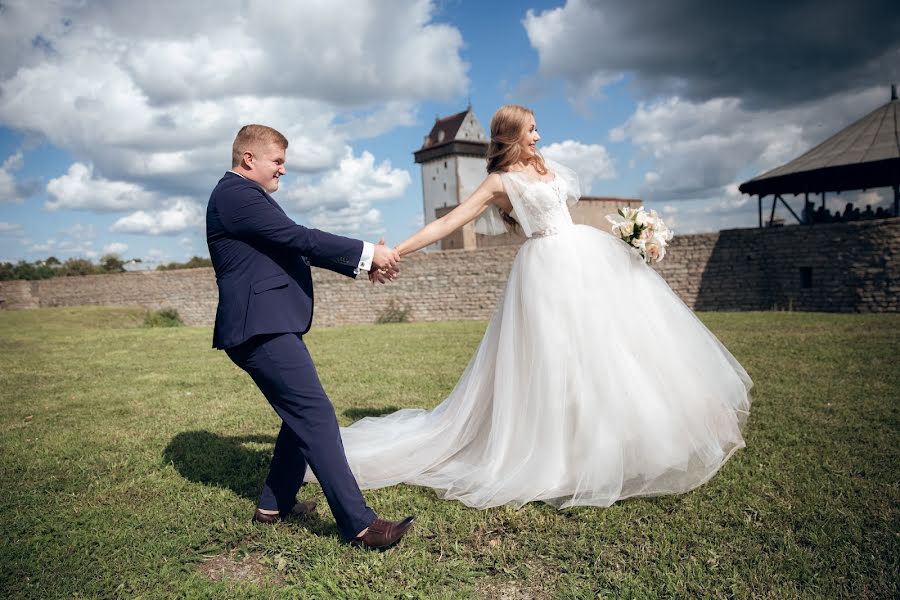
(536, 580)
(249, 569)
(509, 590)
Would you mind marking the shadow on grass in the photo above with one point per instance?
(358, 413)
(233, 462)
(225, 461)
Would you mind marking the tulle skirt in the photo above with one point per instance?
(593, 382)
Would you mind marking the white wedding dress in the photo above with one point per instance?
(593, 382)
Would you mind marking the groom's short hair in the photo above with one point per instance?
(250, 136)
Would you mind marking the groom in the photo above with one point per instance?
(262, 261)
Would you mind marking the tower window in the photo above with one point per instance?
(445, 187)
(806, 281)
(445, 164)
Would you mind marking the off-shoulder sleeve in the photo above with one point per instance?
(514, 185)
(490, 222)
(568, 176)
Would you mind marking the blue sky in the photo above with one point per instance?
(116, 118)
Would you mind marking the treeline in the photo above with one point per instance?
(194, 263)
(110, 263)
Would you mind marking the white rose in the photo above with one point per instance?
(642, 218)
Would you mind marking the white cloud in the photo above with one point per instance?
(80, 232)
(11, 229)
(150, 96)
(590, 161)
(357, 220)
(78, 189)
(703, 150)
(341, 199)
(872, 197)
(13, 162)
(356, 179)
(77, 240)
(11, 190)
(154, 257)
(48, 246)
(117, 248)
(183, 214)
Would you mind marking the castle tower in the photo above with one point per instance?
(453, 164)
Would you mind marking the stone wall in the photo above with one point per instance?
(842, 267)
(191, 291)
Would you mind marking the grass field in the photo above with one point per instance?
(130, 459)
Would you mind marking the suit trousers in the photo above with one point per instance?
(283, 370)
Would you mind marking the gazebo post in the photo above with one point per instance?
(772, 214)
(759, 205)
(897, 200)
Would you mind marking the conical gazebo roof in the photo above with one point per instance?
(864, 155)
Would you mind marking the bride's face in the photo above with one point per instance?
(529, 139)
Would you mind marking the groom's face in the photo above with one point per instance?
(266, 165)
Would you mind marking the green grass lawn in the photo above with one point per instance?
(130, 459)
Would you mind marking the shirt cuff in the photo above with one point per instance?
(365, 259)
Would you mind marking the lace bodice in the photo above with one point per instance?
(540, 205)
(543, 205)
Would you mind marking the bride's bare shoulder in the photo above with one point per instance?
(493, 181)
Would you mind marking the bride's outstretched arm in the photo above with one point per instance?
(490, 190)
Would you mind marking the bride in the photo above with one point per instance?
(593, 382)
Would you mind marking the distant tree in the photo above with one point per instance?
(78, 266)
(111, 263)
(7, 271)
(26, 270)
(52, 267)
(195, 262)
(41, 270)
(29, 271)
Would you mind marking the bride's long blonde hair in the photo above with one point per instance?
(507, 126)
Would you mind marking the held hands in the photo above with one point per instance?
(385, 263)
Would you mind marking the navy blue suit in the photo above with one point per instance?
(262, 261)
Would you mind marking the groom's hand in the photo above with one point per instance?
(384, 263)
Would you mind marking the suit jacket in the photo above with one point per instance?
(262, 261)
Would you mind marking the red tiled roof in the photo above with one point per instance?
(609, 199)
(445, 130)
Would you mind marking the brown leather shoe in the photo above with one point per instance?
(382, 534)
(301, 509)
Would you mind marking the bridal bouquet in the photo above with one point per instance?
(642, 230)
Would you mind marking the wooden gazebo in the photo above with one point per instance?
(862, 156)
